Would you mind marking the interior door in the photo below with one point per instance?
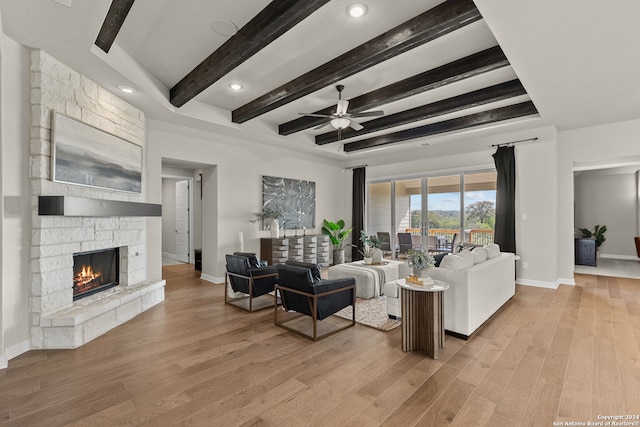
(182, 221)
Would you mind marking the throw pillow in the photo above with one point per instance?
(493, 250)
(438, 259)
(456, 262)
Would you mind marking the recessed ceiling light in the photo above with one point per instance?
(224, 27)
(357, 10)
(235, 86)
(126, 89)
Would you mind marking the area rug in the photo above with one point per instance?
(371, 312)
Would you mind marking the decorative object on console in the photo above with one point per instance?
(85, 155)
(295, 199)
(370, 245)
(337, 234)
(269, 217)
(419, 260)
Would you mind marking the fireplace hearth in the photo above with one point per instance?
(95, 271)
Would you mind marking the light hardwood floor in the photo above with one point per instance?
(569, 354)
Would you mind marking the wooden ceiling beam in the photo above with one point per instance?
(436, 22)
(460, 123)
(272, 22)
(116, 15)
(469, 66)
(465, 101)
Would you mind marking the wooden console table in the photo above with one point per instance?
(422, 316)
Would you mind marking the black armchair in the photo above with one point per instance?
(300, 292)
(251, 277)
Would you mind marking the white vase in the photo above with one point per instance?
(275, 229)
(368, 260)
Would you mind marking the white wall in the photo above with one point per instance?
(608, 197)
(607, 144)
(232, 192)
(16, 210)
(169, 215)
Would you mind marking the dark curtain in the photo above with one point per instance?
(357, 210)
(505, 234)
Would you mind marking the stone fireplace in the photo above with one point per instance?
(59, 317)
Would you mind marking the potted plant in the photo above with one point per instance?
(337, 234)
(597, 234)
(420, 261)
(269, 217)
(370, 244)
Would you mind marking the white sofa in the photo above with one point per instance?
(475, 293)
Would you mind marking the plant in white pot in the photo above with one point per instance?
(337, 234)
(269, 217)
(420, 261)
(370, 246)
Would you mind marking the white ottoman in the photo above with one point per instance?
(368, 283)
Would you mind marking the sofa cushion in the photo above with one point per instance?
(493, 250)
(479, 254)
(458, 261)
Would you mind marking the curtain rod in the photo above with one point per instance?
(355, 167)
(506, 144)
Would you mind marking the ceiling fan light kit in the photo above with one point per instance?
(340, 122)
(341, 118)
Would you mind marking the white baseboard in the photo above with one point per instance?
(212, 279)
(537, 283)
(170, 256)
(622, 257)
(14, 351)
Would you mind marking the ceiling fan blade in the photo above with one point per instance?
(326, 116)
(369, 113)
(341, 109)
(355, 126)
(322, 125)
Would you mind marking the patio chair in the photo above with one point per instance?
(405, 243)
(385, 237)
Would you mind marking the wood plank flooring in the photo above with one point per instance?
(569, 354)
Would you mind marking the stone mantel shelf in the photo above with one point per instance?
(80, 206)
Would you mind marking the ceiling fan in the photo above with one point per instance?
(342, 119)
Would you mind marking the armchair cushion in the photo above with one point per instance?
(242, 272)
(253, 259)
(315, 268)
(301, 279)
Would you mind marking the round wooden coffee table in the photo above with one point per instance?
(422, 316)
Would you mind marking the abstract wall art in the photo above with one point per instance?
(296, 200)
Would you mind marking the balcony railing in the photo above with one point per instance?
(477, 237)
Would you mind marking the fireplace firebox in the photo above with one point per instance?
(95, 271)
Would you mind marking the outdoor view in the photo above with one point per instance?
(452, 214)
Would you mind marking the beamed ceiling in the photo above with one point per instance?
(434, 67)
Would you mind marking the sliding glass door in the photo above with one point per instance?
(437, 213)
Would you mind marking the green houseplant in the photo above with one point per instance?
(337, 234)
(597, 234)
(420, 261)
(369, 246)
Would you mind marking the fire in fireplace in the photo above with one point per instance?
(95, 271)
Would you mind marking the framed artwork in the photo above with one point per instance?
(84, 155)
(295, 199)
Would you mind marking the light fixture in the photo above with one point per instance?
(126, 89)
(357, 10)
(224, 27)
(235, 86)
(340, 123)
